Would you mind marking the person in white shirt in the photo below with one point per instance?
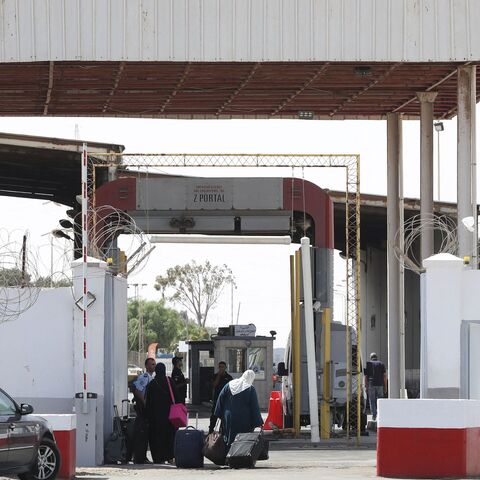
(140, 428)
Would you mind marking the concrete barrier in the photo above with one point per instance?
(428, 438)
(64, 429)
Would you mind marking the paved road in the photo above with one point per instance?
(288, 459)
(311, 464)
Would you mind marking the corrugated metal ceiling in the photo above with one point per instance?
(330, 90)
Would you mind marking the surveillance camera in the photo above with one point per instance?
(317, 306)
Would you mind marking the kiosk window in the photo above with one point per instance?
(236, 360)
(205, 359)
(256, 361)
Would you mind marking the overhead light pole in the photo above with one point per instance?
(438, 128)
(140, 332)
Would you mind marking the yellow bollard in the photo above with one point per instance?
(325, 404)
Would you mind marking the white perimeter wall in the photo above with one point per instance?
(41, 353)
(36, 351)
(451, 297)
(239, 30)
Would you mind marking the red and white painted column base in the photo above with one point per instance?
(428, 438)
(64, 429)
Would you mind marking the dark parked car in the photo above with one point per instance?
(27, 445)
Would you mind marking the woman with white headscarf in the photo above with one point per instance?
(237, 406)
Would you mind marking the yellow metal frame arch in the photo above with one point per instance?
(351, 163)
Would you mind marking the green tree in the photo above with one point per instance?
(161, 325)
(47, 282)
(196, 287)
(13, 277)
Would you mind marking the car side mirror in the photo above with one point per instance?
(26, 409)
(281, 370)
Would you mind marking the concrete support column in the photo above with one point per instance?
(466, 162)
(426, 171)
(396, 364)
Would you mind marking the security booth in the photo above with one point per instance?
(201, 367)
(241, 349)
(248, 352)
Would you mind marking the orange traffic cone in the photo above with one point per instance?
(275, 413)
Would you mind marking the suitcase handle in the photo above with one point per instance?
(117, 427)
(128, 404)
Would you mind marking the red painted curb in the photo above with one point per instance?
(428, 452)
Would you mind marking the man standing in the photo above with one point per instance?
(375, 382)
(179, 378)
(220, 379)
(140, 428)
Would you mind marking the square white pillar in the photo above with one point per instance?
(441, 318)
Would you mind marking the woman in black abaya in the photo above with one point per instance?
(161, 431)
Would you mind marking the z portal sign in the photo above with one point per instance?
(209, 196)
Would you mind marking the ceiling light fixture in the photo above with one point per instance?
(305, 115)
(362, 71)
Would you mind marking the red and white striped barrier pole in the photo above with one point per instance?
(84, 270)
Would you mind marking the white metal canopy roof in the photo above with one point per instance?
(240, 30)
(328, 59)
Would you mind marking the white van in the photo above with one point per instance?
(338, 387)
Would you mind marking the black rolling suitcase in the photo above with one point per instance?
(188, 448)
(245, 450)
(116, 447)
(128, 428)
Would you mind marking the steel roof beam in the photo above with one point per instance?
(428, 89)
(238, 90)
(317, 74)
(177, 88)
(365, 89)
(50, 88)
(116, 81)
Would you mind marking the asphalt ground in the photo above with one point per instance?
(338, 458)
(287, 464)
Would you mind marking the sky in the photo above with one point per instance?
(262, 272)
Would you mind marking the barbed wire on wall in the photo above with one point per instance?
(55, 261)
(18, 275)
(445, 230)
(106, 225)
(27, 268)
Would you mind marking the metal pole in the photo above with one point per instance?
(141, 341)
(231, 303)
(438, 165)
(325, 405)
(222, 239)
(310, 339)
(85, 270)
(466, 162)
(394, 152)
(51, 261)
(24, 260)
(238, 311)
(292, 323)
(426, 172)
(401, 271)
(296, 346)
